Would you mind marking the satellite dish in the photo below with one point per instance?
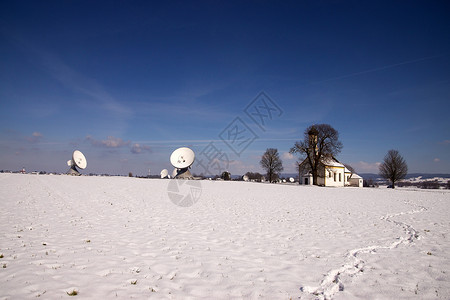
(182, 158)
(174, 172)
(78, 160)
(164, 173)
(291, 179)
(245, 178)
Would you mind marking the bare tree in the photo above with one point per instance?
(272, 163)
(319, 141)
(394, 167)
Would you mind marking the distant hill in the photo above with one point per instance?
(427, 176)
(423, 176)
(370, 176)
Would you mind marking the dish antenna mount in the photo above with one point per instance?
(78, 160)
(182, 159)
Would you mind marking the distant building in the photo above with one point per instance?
(331, 172)
(356, 180)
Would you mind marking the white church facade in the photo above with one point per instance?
(330, 172)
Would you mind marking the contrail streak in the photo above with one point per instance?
(380, 68)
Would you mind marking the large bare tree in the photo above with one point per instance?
(394, 167)
(271, 162)
(319, 141)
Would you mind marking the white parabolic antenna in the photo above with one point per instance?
(182, 158)
(291, 179)
(164, 173)
(174, 172)
(245, 178)
(78, 160)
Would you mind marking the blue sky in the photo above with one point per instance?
(127, 82)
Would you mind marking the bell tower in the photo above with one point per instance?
(313, 133)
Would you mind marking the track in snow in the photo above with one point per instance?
(333, 282)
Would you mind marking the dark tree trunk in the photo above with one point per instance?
(314, 174)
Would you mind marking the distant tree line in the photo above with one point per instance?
(254, 176)
(370, 183)
(426, 185)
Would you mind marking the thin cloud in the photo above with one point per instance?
(366, 167)
(239, 167)
(288, 156)
(72, 79)
(76, 81)
(35, 137)
(138, 148)
(206, 141)
(436, 160)
(110, 142)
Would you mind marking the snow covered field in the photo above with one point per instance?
(107, 237)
